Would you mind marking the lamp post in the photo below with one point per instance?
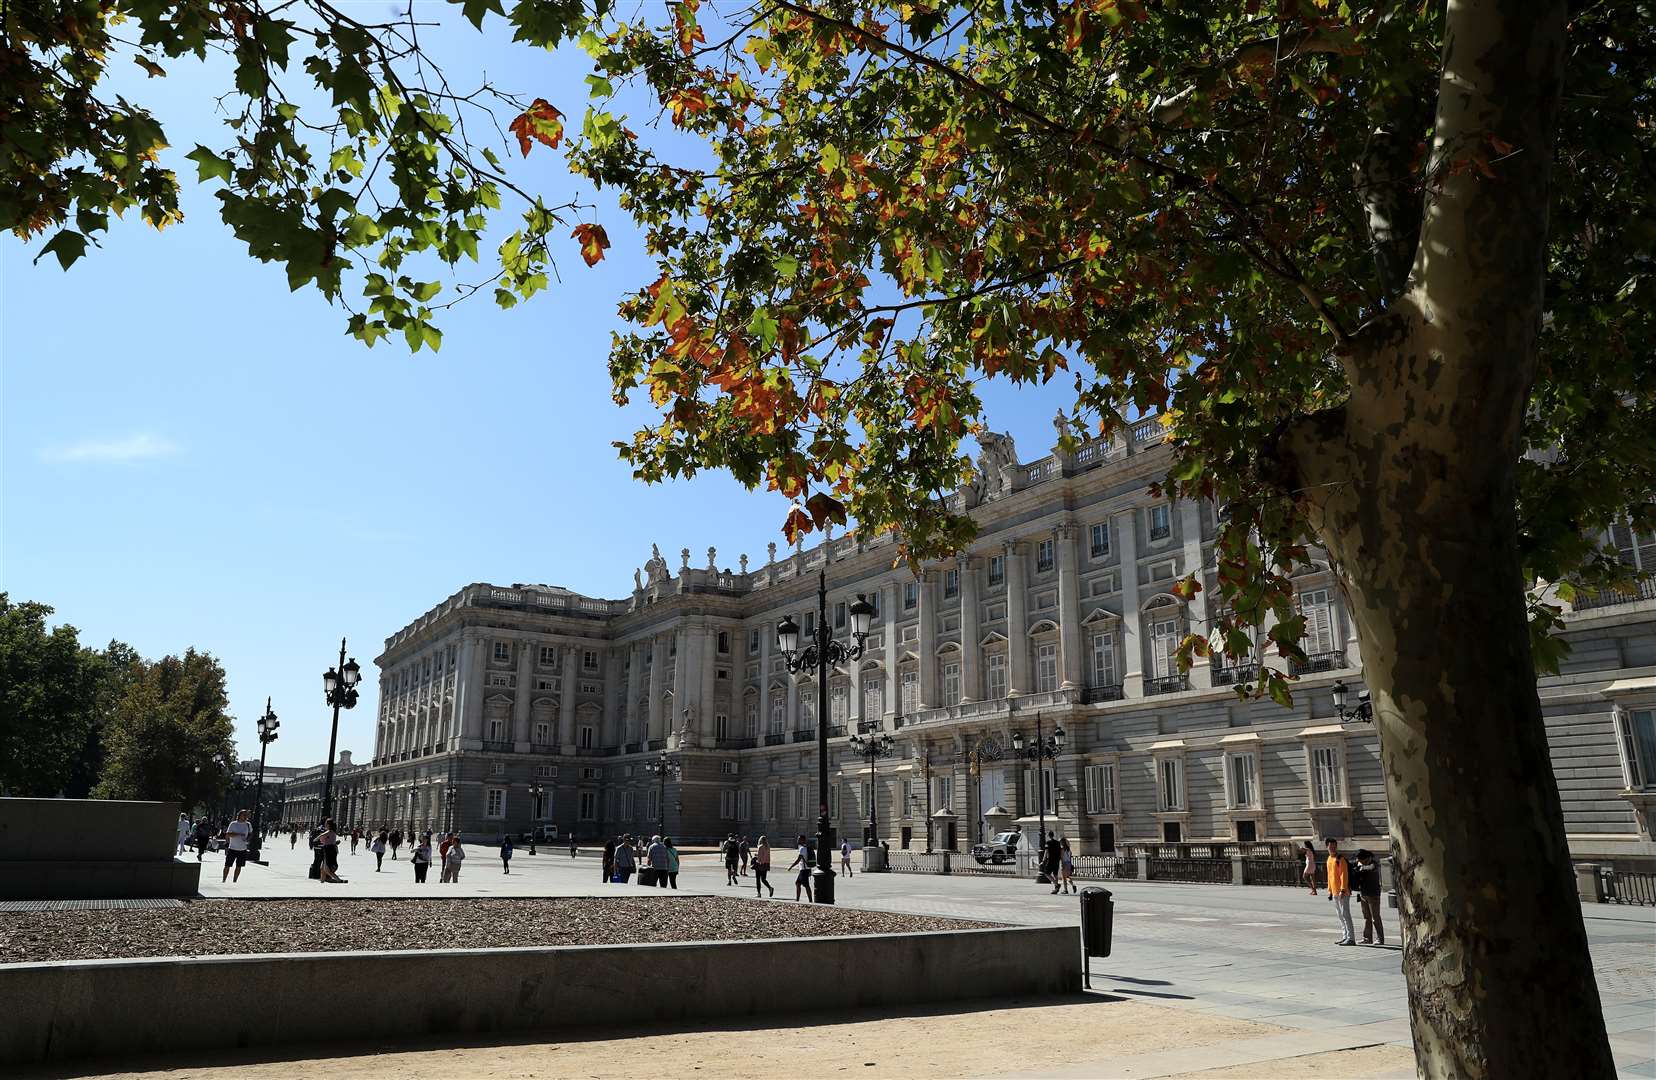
(872, 747)
(822, 654)
(535, 791)
(1042, 749)
(663, 767)
(1363, 710)
(448, 808)
(267, 735)
(339, 685)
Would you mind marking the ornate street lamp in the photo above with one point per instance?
(1363, 710)
(1042, 749)
(448, 804)
(872, 746)
(822, 654)
(339, 687)
(663, 767)
(267, 735)
(535, 792)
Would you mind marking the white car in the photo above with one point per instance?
(1003, 848)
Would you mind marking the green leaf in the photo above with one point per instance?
(67, 245)
(209, 164)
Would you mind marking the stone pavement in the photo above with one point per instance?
(1250, 953)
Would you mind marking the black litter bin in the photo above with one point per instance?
(1097, 923)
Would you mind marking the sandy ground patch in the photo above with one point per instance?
(1363, 1064)
(995, 1038)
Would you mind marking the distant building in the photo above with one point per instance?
(502, 708)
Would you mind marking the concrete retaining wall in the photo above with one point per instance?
(76, 849)
(88, 1008)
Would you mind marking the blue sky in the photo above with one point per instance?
(194, 456)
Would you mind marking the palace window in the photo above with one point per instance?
(1164, 648)
(951, 583)
(502, 651)
(728, 768)
(1046, 668)
(1104, 660)
(1101, 789)
(751, 718)
(1044, 555)
(727, 805)
(942, 793)
(497, 731)
(546, 772)
(910, 692)
(1636, 729)
(996, 667)
(495, 803)
(548, 655)
(1161, 522)
(724, 642)
(543, 805)
(585, 737)
(837, 704)
(873, 697)
(778, 712)
(1241, 780)
(1048, 790)
(589, 806)
(744, 805)
(997, 569)
(911, 595)
(721, 725)
(839, 615)
(543, 732)
(1327, 774)
(951, 683)
(1100, 536)
(1319, 621)
(753, 642)
(1170, 783)
(497, 768)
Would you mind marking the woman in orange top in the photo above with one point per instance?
(1339, 891)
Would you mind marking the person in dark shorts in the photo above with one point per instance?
(236, 835)
(803, 861)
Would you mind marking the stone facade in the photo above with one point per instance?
(1060, 614)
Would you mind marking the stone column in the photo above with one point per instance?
(614, 717)
(792, 721)
(1125, 529)
(471, 683)
(1017, 621)
(707, 704)
(893, 653)
(971, 652)
(569, 685)
(1069, 608)
(767, 634)
(928, 641)
(631, 722)
(854, 704)
(1190, 520)
(658, 684)
(521, 694)
(686, 673)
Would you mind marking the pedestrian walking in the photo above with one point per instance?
(356, 837)
(1339, 891)
(574, 848)
(732, 852)
(672, 861)
(378, 848)
(1051, 856)
(761, 868)
(1066, 865)
(625, 860)
(1366, 881)
(845, 856)
(659, 862)
(203, 835)
(185, 828)
(1309, 873)
(609, 860)
(327, 842)
(396, 842)
(506, 854)
(802, 881)
(442, 858)
(235, 846)
(422, 859)
(456, 855)
(293, 837)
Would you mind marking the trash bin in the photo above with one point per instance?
(1097, 923)
(646, 875)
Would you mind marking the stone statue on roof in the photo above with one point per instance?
(996, 453)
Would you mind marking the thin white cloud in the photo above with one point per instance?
(142, 446)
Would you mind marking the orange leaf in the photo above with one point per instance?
(539, 123)
(593, 242)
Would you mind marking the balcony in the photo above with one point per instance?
(656, 744)
(1602, 598)
(836, 731)
(543, 748)
(1320, 661)
(1170, 684)
(804, 735)
(1160, 532)
(633, 748)
(1235, 676)
(1102, 693)
(497, 747)
(775, 738)
(744, 743)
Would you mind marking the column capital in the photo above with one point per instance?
(1012, 547)
(1067, 530)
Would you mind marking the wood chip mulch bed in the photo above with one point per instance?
(219, 927)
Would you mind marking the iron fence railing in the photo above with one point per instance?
(1105, 867)
(1170, 684)
(1622, 886)
(916, 862)
(1598, 598)
(1102, 693)
(1320, 661)
(1201, 871)
(1281, 872)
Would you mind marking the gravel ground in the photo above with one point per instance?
(218, 927)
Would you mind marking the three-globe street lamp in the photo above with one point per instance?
(267, 735)
(448, 804)
(663, 767)
(1363, 710)
(1042, 749)
(822, 654)
(535, 792)
(339, 686)
(873, 747)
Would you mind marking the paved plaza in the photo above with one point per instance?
(1265, 955)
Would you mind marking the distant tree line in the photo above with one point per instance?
(80, 722)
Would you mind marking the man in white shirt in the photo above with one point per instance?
(185, 828)
(235, 850)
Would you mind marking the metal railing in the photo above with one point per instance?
(805, 735)
(1281, 872)
(1231, 676)
(656, 744)
(1201, 871)
(497, 747)
(1170, 684)
(634, 748)
(918, 862)
(1101, 693)
(1105, 867)
(1598, 598)
(1628, 886)
(775, 738)
(1320, 661)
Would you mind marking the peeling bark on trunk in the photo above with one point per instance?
(1410, 485)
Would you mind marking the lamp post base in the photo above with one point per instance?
(822, 879)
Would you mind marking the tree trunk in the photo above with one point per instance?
(1411, 487)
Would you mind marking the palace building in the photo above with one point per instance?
(506, 708)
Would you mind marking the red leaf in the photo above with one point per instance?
(539, 123)
(593, 242)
